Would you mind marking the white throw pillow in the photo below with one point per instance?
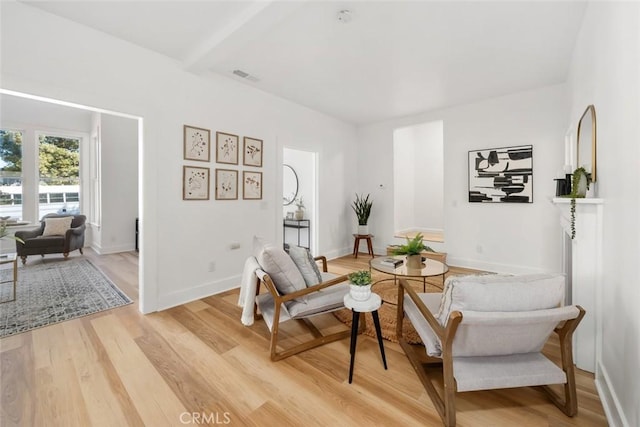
(57, 226)
(306, 264)
(281, 268)
(501, 293)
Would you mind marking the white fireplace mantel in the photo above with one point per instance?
(584, 270)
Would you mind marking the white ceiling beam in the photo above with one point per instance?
(247, 26)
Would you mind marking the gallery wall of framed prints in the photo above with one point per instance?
(196, 178)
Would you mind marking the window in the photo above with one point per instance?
(11, 173)
(59, 165)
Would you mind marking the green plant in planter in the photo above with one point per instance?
(360, 278)
(414, 246)
(362, 207)
(575, 182)
(4, 234)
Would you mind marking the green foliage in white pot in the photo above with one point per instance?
(362, 207)
(360, 278)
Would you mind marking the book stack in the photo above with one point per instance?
(391, 262)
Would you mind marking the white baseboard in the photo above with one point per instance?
(112, 249)
(610, 402)
(491, 266)
(174, 299)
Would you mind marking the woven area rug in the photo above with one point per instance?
(54, 292)
(388, 311)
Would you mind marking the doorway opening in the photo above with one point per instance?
(68, 147)
(418, 180)
(300, 173)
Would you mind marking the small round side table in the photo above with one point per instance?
(369, 306)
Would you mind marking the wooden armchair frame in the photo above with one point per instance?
(319, 339)
(445, 404)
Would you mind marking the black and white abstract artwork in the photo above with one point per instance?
(501, 175)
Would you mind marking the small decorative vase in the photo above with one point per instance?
(360, 293)
(299, 214)
(414, 261)
(363, 230)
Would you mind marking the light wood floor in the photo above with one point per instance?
(196, 364)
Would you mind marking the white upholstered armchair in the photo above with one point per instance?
(487, 332)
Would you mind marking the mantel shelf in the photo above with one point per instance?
(585, 201)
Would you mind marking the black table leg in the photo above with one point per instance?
(354, 338)
(376, 322)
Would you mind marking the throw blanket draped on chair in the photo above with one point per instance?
(248, 286)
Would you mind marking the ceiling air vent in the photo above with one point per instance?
(244, 75)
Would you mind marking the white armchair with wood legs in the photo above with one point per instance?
(296, 290)
(487, 332)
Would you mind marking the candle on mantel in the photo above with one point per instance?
(567, 169)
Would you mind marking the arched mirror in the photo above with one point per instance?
(587, 141)
(289, 185)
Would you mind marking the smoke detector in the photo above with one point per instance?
(345, 16)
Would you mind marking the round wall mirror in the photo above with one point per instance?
(289, 185)
(587, 141)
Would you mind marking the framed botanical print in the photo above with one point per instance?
(195, 183)
(226, 148)
(197, 144)
(251, 185)
(252, 152)
(226, 184)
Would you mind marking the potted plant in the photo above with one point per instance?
(413, 250)
(360, 285)
(362, 207)
(299, 214)
(4, 234)
(580, 181)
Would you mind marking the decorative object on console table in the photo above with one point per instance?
(299, 214)
(362, 207)
(196, 144)
(226, 148)
(502, 175)
(413, 250)
(360, 285)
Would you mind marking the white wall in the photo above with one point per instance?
(418, 177)
(119, 142)
(57, 58)
(495, 237)
(404, 180)
(605, 71)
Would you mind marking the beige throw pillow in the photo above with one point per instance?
(57, 226)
